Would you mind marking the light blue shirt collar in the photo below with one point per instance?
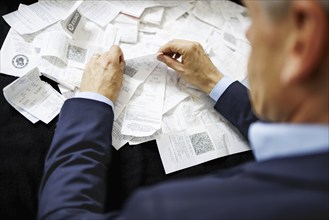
(274, 140)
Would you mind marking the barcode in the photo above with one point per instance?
(76, 54)
(201, 143)
(130, 71)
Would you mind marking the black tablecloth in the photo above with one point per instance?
(23, 147)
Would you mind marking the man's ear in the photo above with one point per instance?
(307, 41)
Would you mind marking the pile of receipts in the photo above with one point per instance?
(57, 38)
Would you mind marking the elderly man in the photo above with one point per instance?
(289, 76)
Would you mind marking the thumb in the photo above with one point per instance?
(172, 63)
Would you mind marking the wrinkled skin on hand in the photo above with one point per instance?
(104, 74)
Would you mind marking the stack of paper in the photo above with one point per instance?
(57, 38)
(35, 99)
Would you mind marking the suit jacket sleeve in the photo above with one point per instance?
(235, 106)
(74, 180)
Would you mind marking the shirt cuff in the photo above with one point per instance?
(95, 96)
(220, 88)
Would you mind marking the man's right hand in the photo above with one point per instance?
(195, 68)
(104, 74)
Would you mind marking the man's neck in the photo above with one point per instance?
(312, 110)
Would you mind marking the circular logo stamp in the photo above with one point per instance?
(20, 61)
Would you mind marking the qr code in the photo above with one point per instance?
(201, 143)
(76, 54)
(130, 71)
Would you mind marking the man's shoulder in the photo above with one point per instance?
(243, 188)
(304, 168)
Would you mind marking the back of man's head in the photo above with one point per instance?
(288, 66)
(279, 8)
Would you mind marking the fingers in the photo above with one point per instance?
(170, 52)
(173, 47)
(171, 62)
(113, 56)
(93, 60)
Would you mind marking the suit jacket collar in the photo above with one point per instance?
(274, 140)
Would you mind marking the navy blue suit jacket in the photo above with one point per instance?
(74, 183)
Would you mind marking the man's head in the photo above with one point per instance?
(288, 65)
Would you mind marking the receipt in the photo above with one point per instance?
(187, 148)
(100, 12)
(174, 13)
(33, 18)
(226, 61)
(55, 44)
(153, 15)
(194, 30)
(136, 71)
(127, 28)
(136, 8)
(173, 95)
(209, 12)
(85, 31)
(195, 145)
(17, 55)
(140, 140)
(133, 8)
(118, 139)
(194, 132)
(144, 112)
(71, 53)
(34, 96)
(69, 77)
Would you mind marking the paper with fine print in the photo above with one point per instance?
(118, 139)
(100, 12)
(209, 12)
(54, 69)
(153, 15)
(144, 112)
(71, 53)
(35, 17)
(136, 71)
(140, 140)
(173, 94)
(34, 96)
(127, 28)
(82, 30)
(225, 59)
(17, 55)
(173, 13)
(194, 29)
(193, 146)
(188, 148)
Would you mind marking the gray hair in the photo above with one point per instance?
(278, 9)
